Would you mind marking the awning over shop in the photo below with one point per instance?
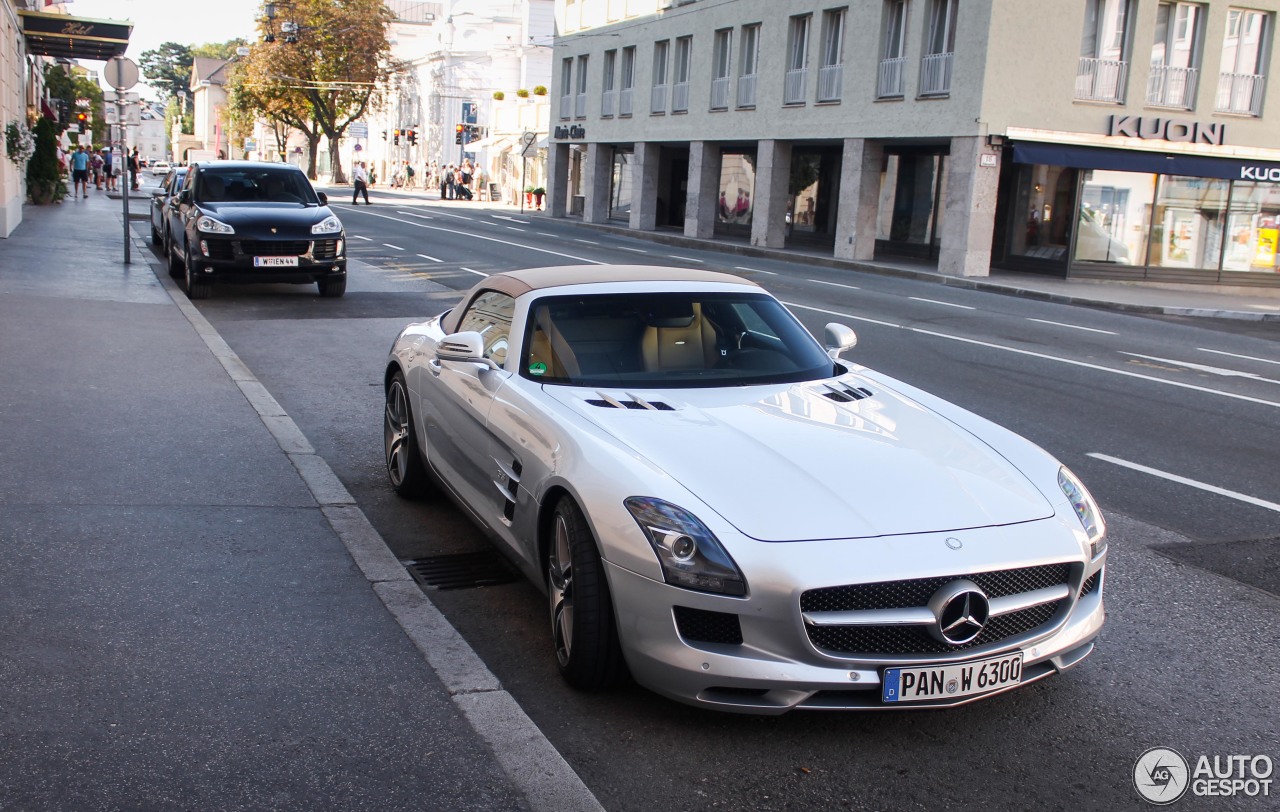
(60, 36)
(1156, 163)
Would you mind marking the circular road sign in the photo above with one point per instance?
(122, 73)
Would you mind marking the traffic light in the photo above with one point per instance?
(412, 136)
(82, 119)
(457, 133)
(474, 133)
(396, 140)
(384, 135)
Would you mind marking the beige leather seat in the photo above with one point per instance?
(686, 342)
(549, 347)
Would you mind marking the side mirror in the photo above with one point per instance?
(839, 338)
(324, 198)
(184, 196)
(465, 348)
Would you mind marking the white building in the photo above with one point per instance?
(1100, 138)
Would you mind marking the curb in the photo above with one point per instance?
(529, 760)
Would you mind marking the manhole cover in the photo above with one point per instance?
(462, 571)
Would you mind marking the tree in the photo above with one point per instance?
(218, 50)
(72, 87)
(168, 68)
(337, 65)
(44, 171)
(254, 92)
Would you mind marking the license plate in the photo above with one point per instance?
(951, 681)
(274, 262)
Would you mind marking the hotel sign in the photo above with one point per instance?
(1161, 128)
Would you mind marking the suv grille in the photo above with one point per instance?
(325, 250)
(274, 248)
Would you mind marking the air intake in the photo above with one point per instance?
(632, 402)
(842, 393)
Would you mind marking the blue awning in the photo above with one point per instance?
(1132, 160)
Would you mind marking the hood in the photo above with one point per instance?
(819, 460)
(291, 220)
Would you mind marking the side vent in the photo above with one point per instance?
(607, 401)
(843, 393)
(508, 484)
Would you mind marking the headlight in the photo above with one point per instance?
(1086, 510)
(690, 555)
(211, 226)
(329, 225)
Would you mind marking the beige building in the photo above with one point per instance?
(1130, 139)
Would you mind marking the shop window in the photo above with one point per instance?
(620, 187)
(909, 215)
(737, 184)
(1188, 222)
(1114, 217)
(1253, 227)
(1042, 218)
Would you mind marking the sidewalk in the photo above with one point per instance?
(197, 615)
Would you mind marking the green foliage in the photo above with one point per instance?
(522, 93)
(540, 90)
(168, 68)
(44, 170)
(218, 50)
(498, 95)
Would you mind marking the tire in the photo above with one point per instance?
(405, 471)
(196, 289)
(175, 267)
(155, 235)
(332, 288)
(583, 632)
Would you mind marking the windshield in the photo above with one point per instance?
(255, 185)
(668, 340)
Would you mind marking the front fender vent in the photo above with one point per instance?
(607, 401)
(843, 393)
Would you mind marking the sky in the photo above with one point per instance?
(182, 21)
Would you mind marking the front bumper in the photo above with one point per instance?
(231, 260)
(757, 654)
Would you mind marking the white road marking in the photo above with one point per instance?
(548, 234)
(477, 273)
(1245, 357)
(1226, 373)
(687, 259)
(945, 304)
(511, 219)
(358, 237)
(389, 245)
(1072, 326)
(459, 216)
(523, 246)
(834, 284)
(1126, 373)
(754, 270)
(433, 259)
(414, 214)
(1184, 481)
(513, 228)
(588, 242)
(635, 250)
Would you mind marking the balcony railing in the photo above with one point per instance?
(608, 103)
(935, 74)
(580, 105)
(626, 101)
(566, 107)
(793, 90)
(1168, 86)
(680, 97)
(890, 81)
(1240, 93)
(747, 90)
(830, 82)
(1101, 79)
(720, 93)
(658, 99)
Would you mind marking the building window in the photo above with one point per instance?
(750, 55)
(1174, 55)
(831, 74)
(939, 52)
(680, 85)
(1253, 227)
(797, 60)
(609, 95)
(566, 89)
(890, 77)
(721, 69)
(628, 81)
(1104, 68)
(658, 96)
(580, 102)
(1243, 75)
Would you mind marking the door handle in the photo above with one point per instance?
(434, 366)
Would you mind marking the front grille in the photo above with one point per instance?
(274, 248)
(879, 640)
(219, 249)
(702, 626)
(325, 250)
(894, 639)
(916, 592)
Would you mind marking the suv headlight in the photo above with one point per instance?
(690, 555)
(1086, 510)
(329, 225)
(209, 225)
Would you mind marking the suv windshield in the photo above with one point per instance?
(268, 184)
(668, 340)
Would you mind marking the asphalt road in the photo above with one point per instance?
(1172, 423)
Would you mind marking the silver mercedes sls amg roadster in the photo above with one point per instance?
(717, 504)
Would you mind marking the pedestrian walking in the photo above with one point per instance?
(110, 168)
(80, 172)
(408, 174)
(360, 177)
(95, 167)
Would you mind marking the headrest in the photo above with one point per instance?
(667, 315)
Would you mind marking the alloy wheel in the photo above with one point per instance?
(560, 581)
(395, 434)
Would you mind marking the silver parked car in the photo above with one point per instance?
(735, 515)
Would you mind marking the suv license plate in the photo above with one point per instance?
(274, 262)
(951, 681)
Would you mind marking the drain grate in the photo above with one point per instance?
(462, 570)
